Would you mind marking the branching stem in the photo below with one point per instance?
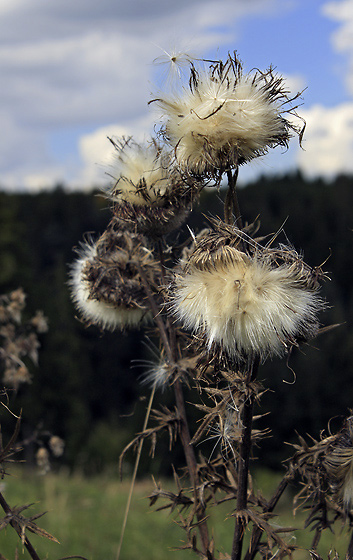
(5, 506)
(257, 532)
(169, 343)
(243, 468)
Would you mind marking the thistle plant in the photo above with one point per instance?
(221, 303)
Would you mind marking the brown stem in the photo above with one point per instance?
(316, 539)
(156, 313)
(243, 469)
(169, 343)
(257, 532)
(191, 464)
(231, 204)
(5, 506)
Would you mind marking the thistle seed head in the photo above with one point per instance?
(250, 304)
(105, 281)
(149, 194)
(226, 118)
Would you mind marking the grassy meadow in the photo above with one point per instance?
(86, 515)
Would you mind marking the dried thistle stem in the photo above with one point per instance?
(243, 468)
(5, 506)
(170, 349)
(231, 204)
(257, 532)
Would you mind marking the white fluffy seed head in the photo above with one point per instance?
(140, 172)
(247, 305)
(100, 313)
(225, 118)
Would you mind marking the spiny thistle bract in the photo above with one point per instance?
(258, 303)
(105, 281)
(226, 118)
(338, 462)
(149, 194)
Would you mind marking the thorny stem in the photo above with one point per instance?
(257, 532)
(191, 464)
(170, 349)
(243, 468)
(316, 539)
(5, 506)
(231, 204)
(156, 314)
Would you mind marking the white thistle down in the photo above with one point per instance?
(105, 315)
(141, 173)
(247, 305)
(225, 118)
(157, 375)
(174, 62)
(149, 195)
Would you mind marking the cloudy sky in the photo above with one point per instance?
(75, 72)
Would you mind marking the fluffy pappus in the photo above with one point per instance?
(150, 196)
(227, 431)
(140, 172)
(157, 375)
(105, 283)
(226, 118)
(247, 304)
(174, 62)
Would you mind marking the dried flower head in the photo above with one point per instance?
(105, 281)
(226, 118)
(15, 375)
(149, 194)
(338, 462)
(18, 339)
(57, 446)
(255, 303)
(42, 460)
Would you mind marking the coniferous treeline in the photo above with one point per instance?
(85, 384)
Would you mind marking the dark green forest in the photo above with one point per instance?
(87, 387)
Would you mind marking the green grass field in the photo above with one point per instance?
(86, 515)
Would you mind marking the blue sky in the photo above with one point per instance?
(74, 73)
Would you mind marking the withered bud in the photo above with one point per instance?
(15, 375)
(338, 462)
(42, 460)
(57, 446)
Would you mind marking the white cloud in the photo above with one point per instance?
(342, 38)
(294, 83)
(328, 141)
(68, 65)
(97, 152)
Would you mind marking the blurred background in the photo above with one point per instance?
(75, 73)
